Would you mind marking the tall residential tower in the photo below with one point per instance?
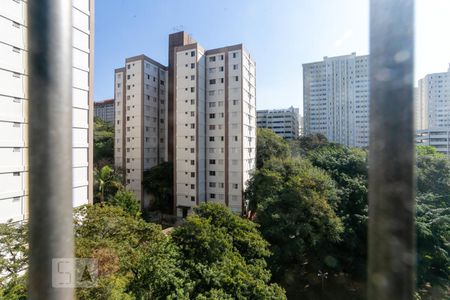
(214, 94)
(140, 121)
(336, 99)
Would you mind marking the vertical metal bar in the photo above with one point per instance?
(50, 136)
(391, 162)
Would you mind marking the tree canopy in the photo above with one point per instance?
(269, 144)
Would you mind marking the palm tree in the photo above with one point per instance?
(107, 183)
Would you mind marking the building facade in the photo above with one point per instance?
(336, 99)
(214, 94)
(432, 111)
(140, 121)
(14, 107)
(433, 101)
(438, 138)
(105, 110)
(284, 122)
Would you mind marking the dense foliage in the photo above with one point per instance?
(103, 143)
(269, 145)
(213, 255)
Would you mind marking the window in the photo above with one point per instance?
(236, 78)
(192, 65)
(192, 174)
(212, 104)
(222, 80)
(235, 138)
(192, 150)
(235, 186)
(192, 162)
(211, 139)
(212, 58)
(212, 173)
(212, 161)
(221, 57)
(220, 69)
(212, 81)
(192, 125)
(192, 77)
(192, 198)
(235, 67)
(192, 53)
(212, 127)
(235, 102)
(212, 184)
(192, 101)
(234, 55)
(212, 116)
(192, 186)
(212, 196)
(192, 89)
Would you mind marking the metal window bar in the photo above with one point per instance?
(391, 157)
(50, 131)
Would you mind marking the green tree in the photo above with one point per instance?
(158, 182)
(13, 260)
(103, 143)
(126, 200)
(217, 264)
(297, 218)
(106, 183)
(306, 143)
(135, 259)
(433, 172)
(268, 145)
(348, 168)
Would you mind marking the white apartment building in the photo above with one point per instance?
(105, 110)
(214, 95)
(140, 122)
(284, 122)
(336, 99)
(432, 111)
(433, 101)
(14, 106)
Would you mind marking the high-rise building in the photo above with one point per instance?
(336, 99)
(105, 110)
(284, 122)
(14, 107)
(199, 113)
(140, 123)
(432, 111)
(214, 117)
(433, 101)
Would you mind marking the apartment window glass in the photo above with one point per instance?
(212, 173)
(192, 162)
(192, 53)
(235, 67)
(212, 58)
(192, 65)
(211, 139)
(212, 161)
(212, 81)
(212, 116)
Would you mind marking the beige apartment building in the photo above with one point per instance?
(199, 113)
(140, 120)
(14, 106)
(214, 97)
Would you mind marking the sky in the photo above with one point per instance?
(281, 35)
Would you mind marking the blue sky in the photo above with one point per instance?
(281, 35)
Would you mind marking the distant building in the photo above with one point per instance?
(433, 101)
(140, 124)
(432, 111)
(437, 137)
(284, 122)
(336, 99)
(105, 110)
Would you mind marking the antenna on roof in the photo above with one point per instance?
(178, 28)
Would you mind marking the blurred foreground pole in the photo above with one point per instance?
(50, 149)
(391, 156)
